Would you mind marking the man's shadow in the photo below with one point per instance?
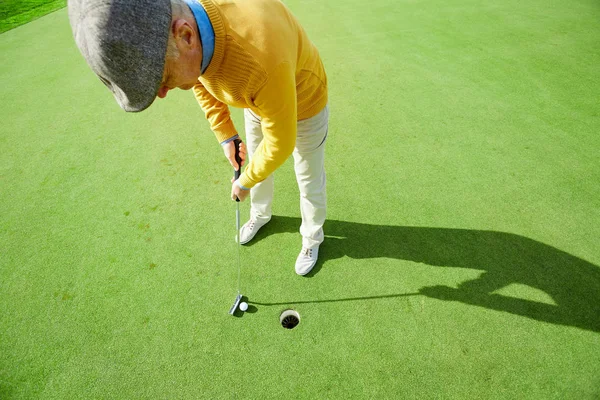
(572, 283)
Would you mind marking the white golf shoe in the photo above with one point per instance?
(306, 260)
(250, 229)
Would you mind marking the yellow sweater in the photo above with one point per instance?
(263, 60)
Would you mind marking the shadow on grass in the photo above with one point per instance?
(572, 283)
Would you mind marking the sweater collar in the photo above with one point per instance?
(207, 34)
(218, 25)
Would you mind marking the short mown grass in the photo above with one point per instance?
(14, 13)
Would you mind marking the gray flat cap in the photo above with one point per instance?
(124, 42)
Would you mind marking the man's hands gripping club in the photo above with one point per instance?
(235, 151)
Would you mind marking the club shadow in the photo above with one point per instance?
(387, 296)
(572, 283)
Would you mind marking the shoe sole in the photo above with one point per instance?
(308, 271)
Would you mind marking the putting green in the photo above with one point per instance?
(461, 258)
(14, 13)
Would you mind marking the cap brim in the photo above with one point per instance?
(125, 44)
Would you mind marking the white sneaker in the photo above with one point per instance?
(306, 260)
(249, 230)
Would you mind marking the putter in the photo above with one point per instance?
(236, 175)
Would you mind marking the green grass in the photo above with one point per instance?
(18, 12)
(461, 258)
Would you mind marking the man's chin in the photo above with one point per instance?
(186, 87)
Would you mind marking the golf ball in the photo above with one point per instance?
(243, 306)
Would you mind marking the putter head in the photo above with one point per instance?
(236, 304)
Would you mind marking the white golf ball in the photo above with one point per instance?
(243, 306)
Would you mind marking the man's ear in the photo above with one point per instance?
(183, 31)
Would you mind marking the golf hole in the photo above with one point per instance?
(289, 319)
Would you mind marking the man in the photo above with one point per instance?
(243, 53)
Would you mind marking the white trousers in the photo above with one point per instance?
(309, 160)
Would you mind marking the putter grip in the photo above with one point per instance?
(238, 159)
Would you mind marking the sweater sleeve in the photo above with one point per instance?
(276, 102)
(217, 113)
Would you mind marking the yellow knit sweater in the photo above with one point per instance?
(263, 60)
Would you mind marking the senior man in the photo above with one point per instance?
(252, 54)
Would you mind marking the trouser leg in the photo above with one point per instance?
(309, 165)
(261, 195)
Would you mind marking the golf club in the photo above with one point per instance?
(236, 175)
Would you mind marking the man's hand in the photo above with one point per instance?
(237, 192)
(229, 150)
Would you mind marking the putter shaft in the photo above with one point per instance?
(237, 224)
